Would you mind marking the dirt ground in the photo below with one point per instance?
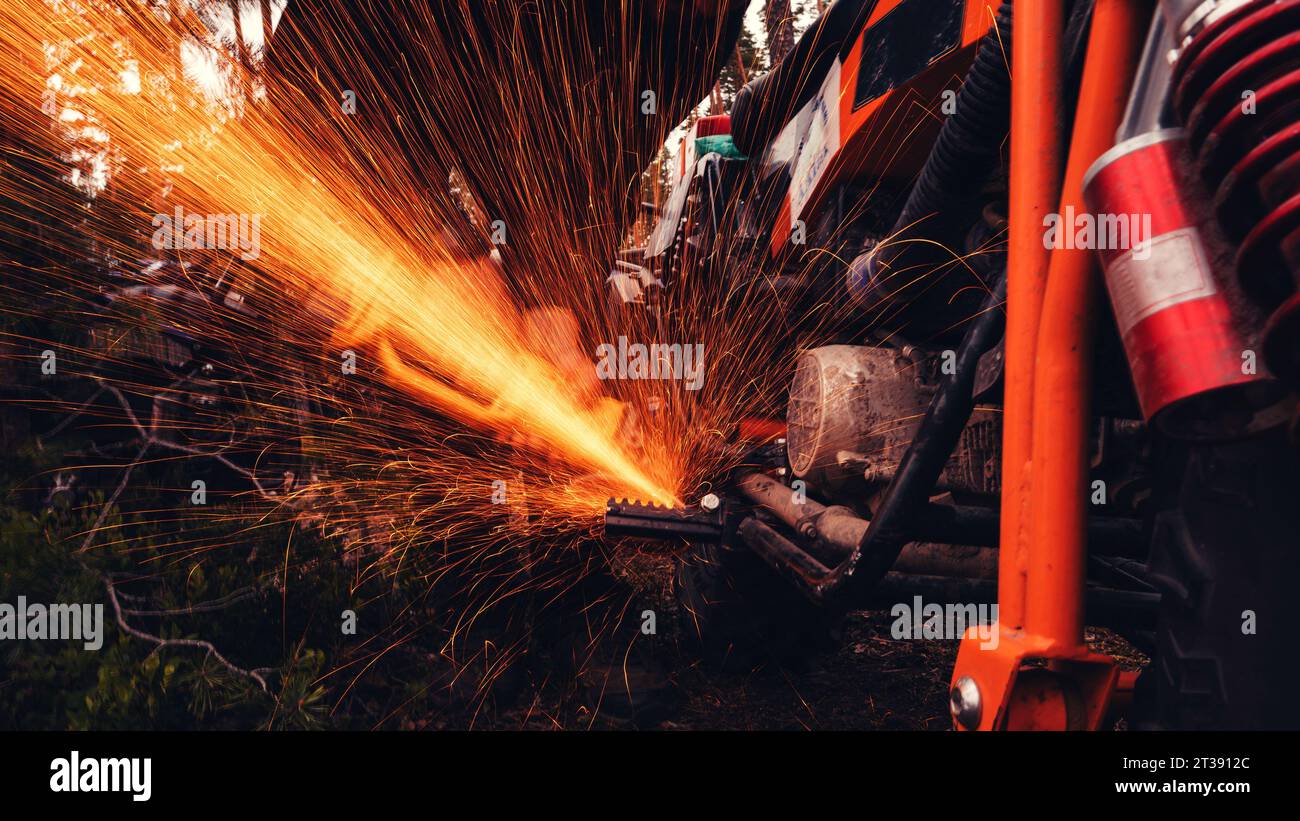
(874, 682)
(871, 682)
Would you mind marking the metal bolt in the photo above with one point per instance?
(965, 704)
(710, 502)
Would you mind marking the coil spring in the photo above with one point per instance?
(1236, 88)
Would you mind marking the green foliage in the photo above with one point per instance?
(130, 683)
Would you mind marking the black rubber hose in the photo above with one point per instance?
(966, 151)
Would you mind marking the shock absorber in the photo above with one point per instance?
(1236, 89)
(1185, 331)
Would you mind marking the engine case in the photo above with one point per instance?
(854, 410)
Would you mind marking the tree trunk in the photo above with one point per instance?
(780, 29)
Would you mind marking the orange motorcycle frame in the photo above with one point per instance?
(1040, 674)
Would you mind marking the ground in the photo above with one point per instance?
(871, 682)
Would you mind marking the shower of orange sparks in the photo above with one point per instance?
(442, 327)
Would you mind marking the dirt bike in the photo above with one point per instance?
(963, 181)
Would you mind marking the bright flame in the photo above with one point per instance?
(443, 328)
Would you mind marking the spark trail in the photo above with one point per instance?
(442, 327)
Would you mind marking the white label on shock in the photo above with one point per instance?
(819, 145)
(1167, 270)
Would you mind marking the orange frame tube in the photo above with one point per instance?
(1034, 187)
(1051, 306)
(1063, 356)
